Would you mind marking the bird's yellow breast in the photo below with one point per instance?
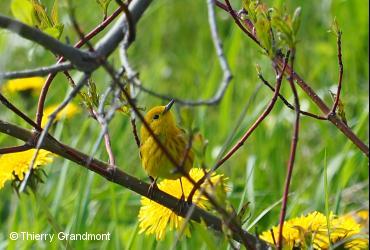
(154, 161)
(157, 164)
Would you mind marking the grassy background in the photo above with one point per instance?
(174, 54)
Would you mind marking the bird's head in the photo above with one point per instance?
(160, 119)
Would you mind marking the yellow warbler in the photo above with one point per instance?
(153, 159)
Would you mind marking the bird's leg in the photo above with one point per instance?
(181, 202)
(182, 198)
(153, 185)
(111, 170)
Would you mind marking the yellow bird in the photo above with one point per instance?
(154, 161)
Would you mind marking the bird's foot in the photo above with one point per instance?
(111, 169)
(152, 187)
(181, 205)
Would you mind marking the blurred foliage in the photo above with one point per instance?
(33, 13)
(174, 54)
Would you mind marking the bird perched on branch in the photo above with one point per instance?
(153, 158)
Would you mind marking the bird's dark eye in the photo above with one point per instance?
(155, 117)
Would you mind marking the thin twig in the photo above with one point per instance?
(82, 60)
(237, 21)
(50, 78)
(14, 149)
(134, 132)
(242, 140)
(337, 97)
(133, 79)
(131, 32)
(102, 119)
(121, 178)
(234, 226)
(279, 60)
(100, 116)
(43, 71)
(227, 76)
(105, 118)
(50, 121)
(293, 149)
(286, 102)
(18, 112)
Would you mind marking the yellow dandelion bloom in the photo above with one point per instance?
(17, 164)
(312, 230)
(347, 230)
(363, 214)
(361, 217)
(295, 230)
(69, 111)
(156, 219)
(16, 85)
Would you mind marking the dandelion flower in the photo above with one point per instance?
(295, 230)
(16, 165)
(17, 85)
(346, 230)
(361, 217)
(312, 230)
(155, 218)
(69, 111)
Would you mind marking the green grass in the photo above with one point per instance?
(174, 54)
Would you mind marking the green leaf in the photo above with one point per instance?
(334, 28)
(296, 21)
(263, 32)
(92, 93)
(104, 5)
(23, 11)
(55, 31)
(340, 108)
(55, 13)
(42, 17)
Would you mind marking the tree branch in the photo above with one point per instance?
(337, 97)
(112, 39)
(121, 178)
(285, 101)
(246, 135)
(43, 71)
(293, 149)
(18, 112)
(83, 60)
(279, 60)
(14, 149)
(104, 45)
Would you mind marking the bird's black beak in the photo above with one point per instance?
(168, 106)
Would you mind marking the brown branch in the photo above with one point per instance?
(134, 132)
(242, 140)
(44, 133)
(109, 69)
(293, 149)
(79, 44)
(237, 21)
(337, 98)
(36, 72)
(131, 31)
(279, 60)
(83, 60)
(123, 179)
(18, 112)
(332, 117)
(286, 102)
(14, 149)
(233, 225)
(224, 65)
